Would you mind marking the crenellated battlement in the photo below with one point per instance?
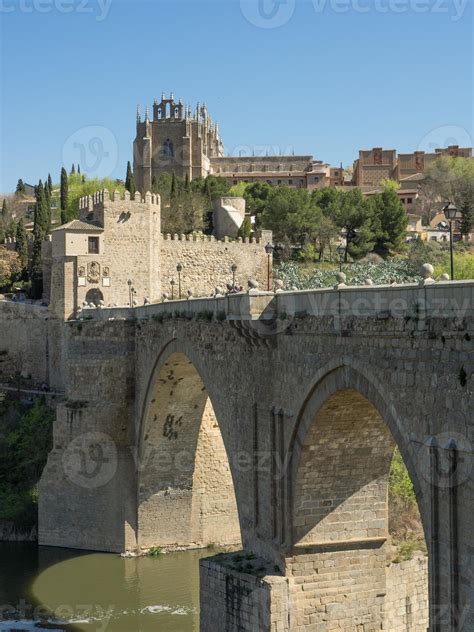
(200, 237)
(90, 203)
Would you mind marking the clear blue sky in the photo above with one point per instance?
(327, 81)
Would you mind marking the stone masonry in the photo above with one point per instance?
(114, 254)
(310, 392)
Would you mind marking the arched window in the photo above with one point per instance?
(176, 112)
(160, 113)
(167, 149)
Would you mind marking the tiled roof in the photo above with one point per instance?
(80, 226)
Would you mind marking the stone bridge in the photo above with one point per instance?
(270, 421)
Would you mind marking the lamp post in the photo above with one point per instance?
(269, 248)
(452, 214)
(172, 282)
(233, 267)
(130, 292)
(179, 268)
(341, 251)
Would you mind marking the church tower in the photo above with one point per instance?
(176, 140)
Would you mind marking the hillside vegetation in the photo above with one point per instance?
(25, 441)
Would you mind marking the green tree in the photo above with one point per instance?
(154, 185)
(4, 210)
(78, 168)
(73, 170)
(41, 227)
(130, 181)
(64, 195)
(22, 244)
(41, 219)
(246, 229)
(174, 187)
(50, 185)
(450, 179)
(211, 187)
(256, 196)
(327, 198)
(352, 214)
(292, 214)
(390, 222)
(20, 187)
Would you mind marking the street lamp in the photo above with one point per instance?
(269, 248)
(341, 251)
(172, 282)
(233, 267)
(130, 292)
(452, 214)
(179, 267)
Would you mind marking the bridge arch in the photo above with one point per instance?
(341, 455)
(185, 489)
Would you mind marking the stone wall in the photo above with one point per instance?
(338, 588)
(31, 343)
(207, 262)
(214, 509)
(318, 595)
(233, 600)
(406, 601)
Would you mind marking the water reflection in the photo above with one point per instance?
(75, 590)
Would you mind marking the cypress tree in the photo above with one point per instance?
(173, 186)
(63, 195)
(78, 168)
(130, 181)
(41, 226)
(83, 179)
(187, 185)
(50, 185)
(4, 210)
(36, 271)
(154, 185)
(22, 244)
(20, 187)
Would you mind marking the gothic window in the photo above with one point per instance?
(176, 113)
(167, 150)
(160, 113)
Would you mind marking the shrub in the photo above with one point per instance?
(25, 444)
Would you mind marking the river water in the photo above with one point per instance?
(68, 590)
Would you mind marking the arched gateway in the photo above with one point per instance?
(274, 418)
